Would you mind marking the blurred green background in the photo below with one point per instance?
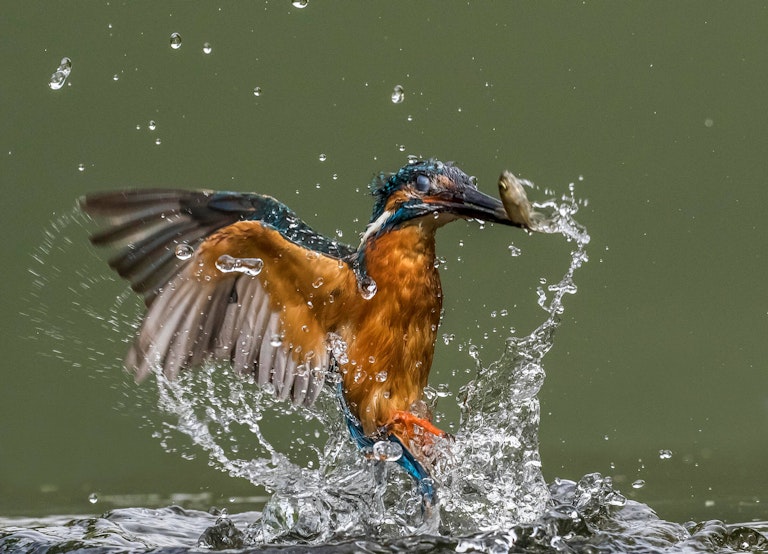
(656, 110)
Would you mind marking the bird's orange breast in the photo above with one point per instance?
(391, 339)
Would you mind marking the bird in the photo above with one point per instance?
(238, 278)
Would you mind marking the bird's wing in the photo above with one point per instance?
(148, 225)
(252, 284)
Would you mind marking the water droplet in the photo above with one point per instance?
(60, 75)
(514, 251)
(300, 3)
(207, 49)
(398, 94)
(639, 484)
(152, 125)
(93, 498)
(448, 338)
(387, 451)
(709, 122)
(184, 251)
(175, 41)
(338, 348)
(665, 454)
(474, 352)
(81, 167)
(158, 142)
(248, 266)
(276, 340)
(367, 287)
(371, 359)
(257, 91)
(381, 376)
(115, 77)
(401, 148)
(317, 283)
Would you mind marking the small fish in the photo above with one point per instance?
(516, 202)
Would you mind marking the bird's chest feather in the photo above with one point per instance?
(392, 340)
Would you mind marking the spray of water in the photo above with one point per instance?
(492, 497)
(489, 478)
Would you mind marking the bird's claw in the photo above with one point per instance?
(408, 420)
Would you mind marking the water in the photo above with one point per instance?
(59, 77)
(491, 494)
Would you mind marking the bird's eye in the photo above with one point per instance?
(422, 183)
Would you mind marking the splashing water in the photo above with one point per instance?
(488, 479)
(491, 493)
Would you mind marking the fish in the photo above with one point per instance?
(516, 203)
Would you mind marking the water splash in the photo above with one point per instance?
(488, 479)
(492, 495)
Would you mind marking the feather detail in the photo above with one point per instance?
(197, 313)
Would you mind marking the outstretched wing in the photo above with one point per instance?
(225, 276)
(149, 224)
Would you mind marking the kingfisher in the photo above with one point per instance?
(238, 278)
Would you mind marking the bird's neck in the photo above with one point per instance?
(403, 258)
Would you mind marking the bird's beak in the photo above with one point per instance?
(470, 203)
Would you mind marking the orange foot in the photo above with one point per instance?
(408, 420)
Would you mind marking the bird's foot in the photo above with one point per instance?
(409, 420)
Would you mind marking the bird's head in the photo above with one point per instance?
(430, 191)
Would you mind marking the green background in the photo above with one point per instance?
(659, 107)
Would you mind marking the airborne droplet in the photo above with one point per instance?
(387, 451)
(367, 287)
(300, 3)
(381, 376)
(398, 94)
(249, 266)
(207, 49)
(175, 41)
(184, 251)
(60, 76)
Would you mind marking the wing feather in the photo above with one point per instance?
(269, 349)
(196, 313)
